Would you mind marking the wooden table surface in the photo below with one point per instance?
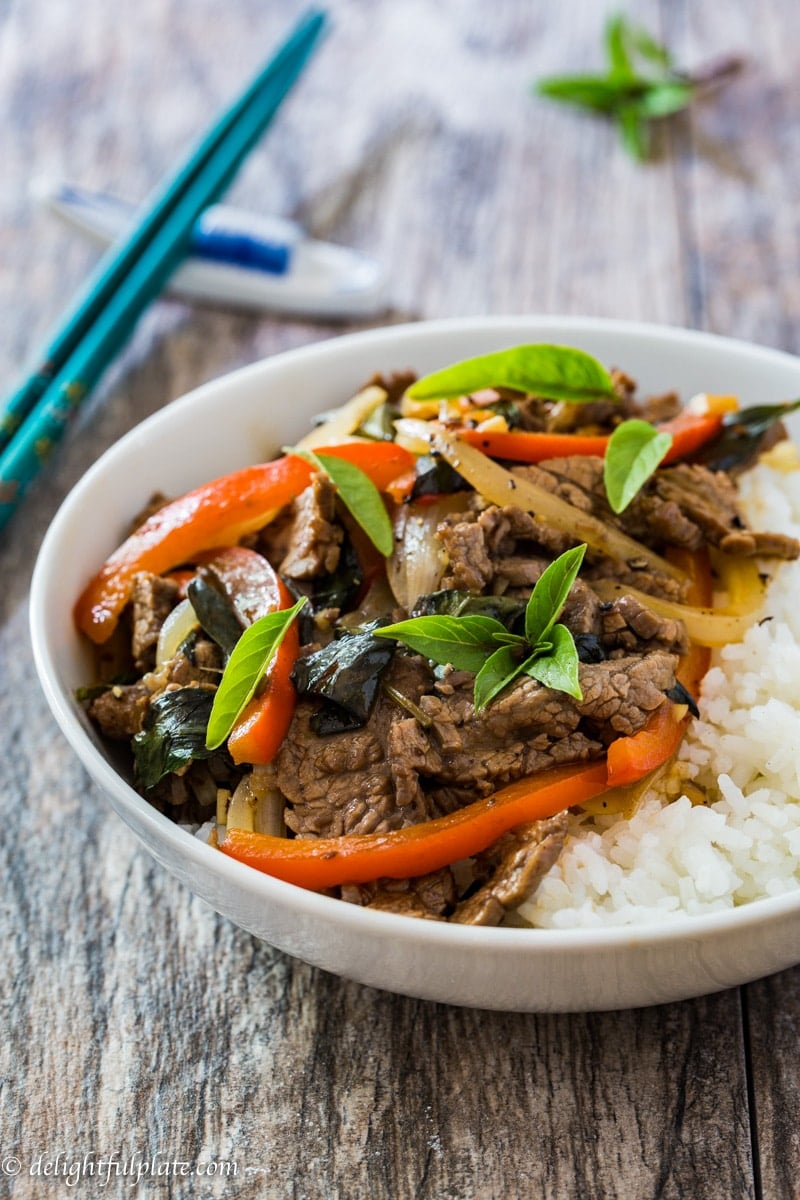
(136, 1021)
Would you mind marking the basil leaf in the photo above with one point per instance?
(346, 672)
(664, 99)
(647, 47)
(435, 477)
(173, 733)
(552, 372)
(550, 594)
(559, 668)
(379, 424)
(215, 613)
(596, 92)
(641, 84)
(462, 641)
(634, 450)
(617, 37)
(633, 130)
(249, 661)
(358, 494)
(740, 439)
(454, 603)
(499, 669)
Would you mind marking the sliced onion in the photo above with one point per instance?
(501, 487)
(269, 804)
(179, 624)
(706, 626)
(418, 562)
(341, 423)
(241, 810)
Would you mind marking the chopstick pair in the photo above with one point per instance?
(131, 274)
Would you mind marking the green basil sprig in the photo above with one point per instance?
(357, 493)
(634, 450)
(641, 84)
(552, 372)
(246, 667)
(484, 646)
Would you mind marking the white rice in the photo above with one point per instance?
(674, 857)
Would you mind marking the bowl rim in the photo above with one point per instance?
(325, 909)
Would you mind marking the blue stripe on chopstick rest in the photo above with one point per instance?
(240, 250)
(222, 234)
(45, 423)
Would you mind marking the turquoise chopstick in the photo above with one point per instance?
(132, 275)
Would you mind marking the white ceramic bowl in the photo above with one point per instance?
(249, 415)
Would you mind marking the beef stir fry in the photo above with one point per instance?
(388, 663)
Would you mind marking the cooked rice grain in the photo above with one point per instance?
(674, 857)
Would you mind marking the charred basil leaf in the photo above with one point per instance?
(173, 733)
(435, 477)
(679, 695)
(92, 690)
(346, 673)
(740, 438)
(215, 613)
(340, 587)
(453, 603)
(589, 648)
(333, 719)
(379, 425)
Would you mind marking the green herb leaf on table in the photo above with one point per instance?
(642, 84)
(552, 372)
(247, 665)
(634, 450)
(495, 656)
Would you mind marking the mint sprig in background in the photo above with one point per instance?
(641, 84)
(484, 646)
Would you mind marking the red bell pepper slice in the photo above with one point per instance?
(215, 514)
(326, 862)
(629, 758)
(523, 446)
(257, 735)
(689, 433)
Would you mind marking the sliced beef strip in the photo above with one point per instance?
(469, 566)
(430, 896)
(395, 384)
(314, 538)
(515, 866)
(503, 876)
(120, 711)
(529, 727)
(153, 598)
(348, 782)
(394, 772)
(686, 505)
(491, 549)
(629, 627)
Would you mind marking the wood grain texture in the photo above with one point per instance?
(134, 1018)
